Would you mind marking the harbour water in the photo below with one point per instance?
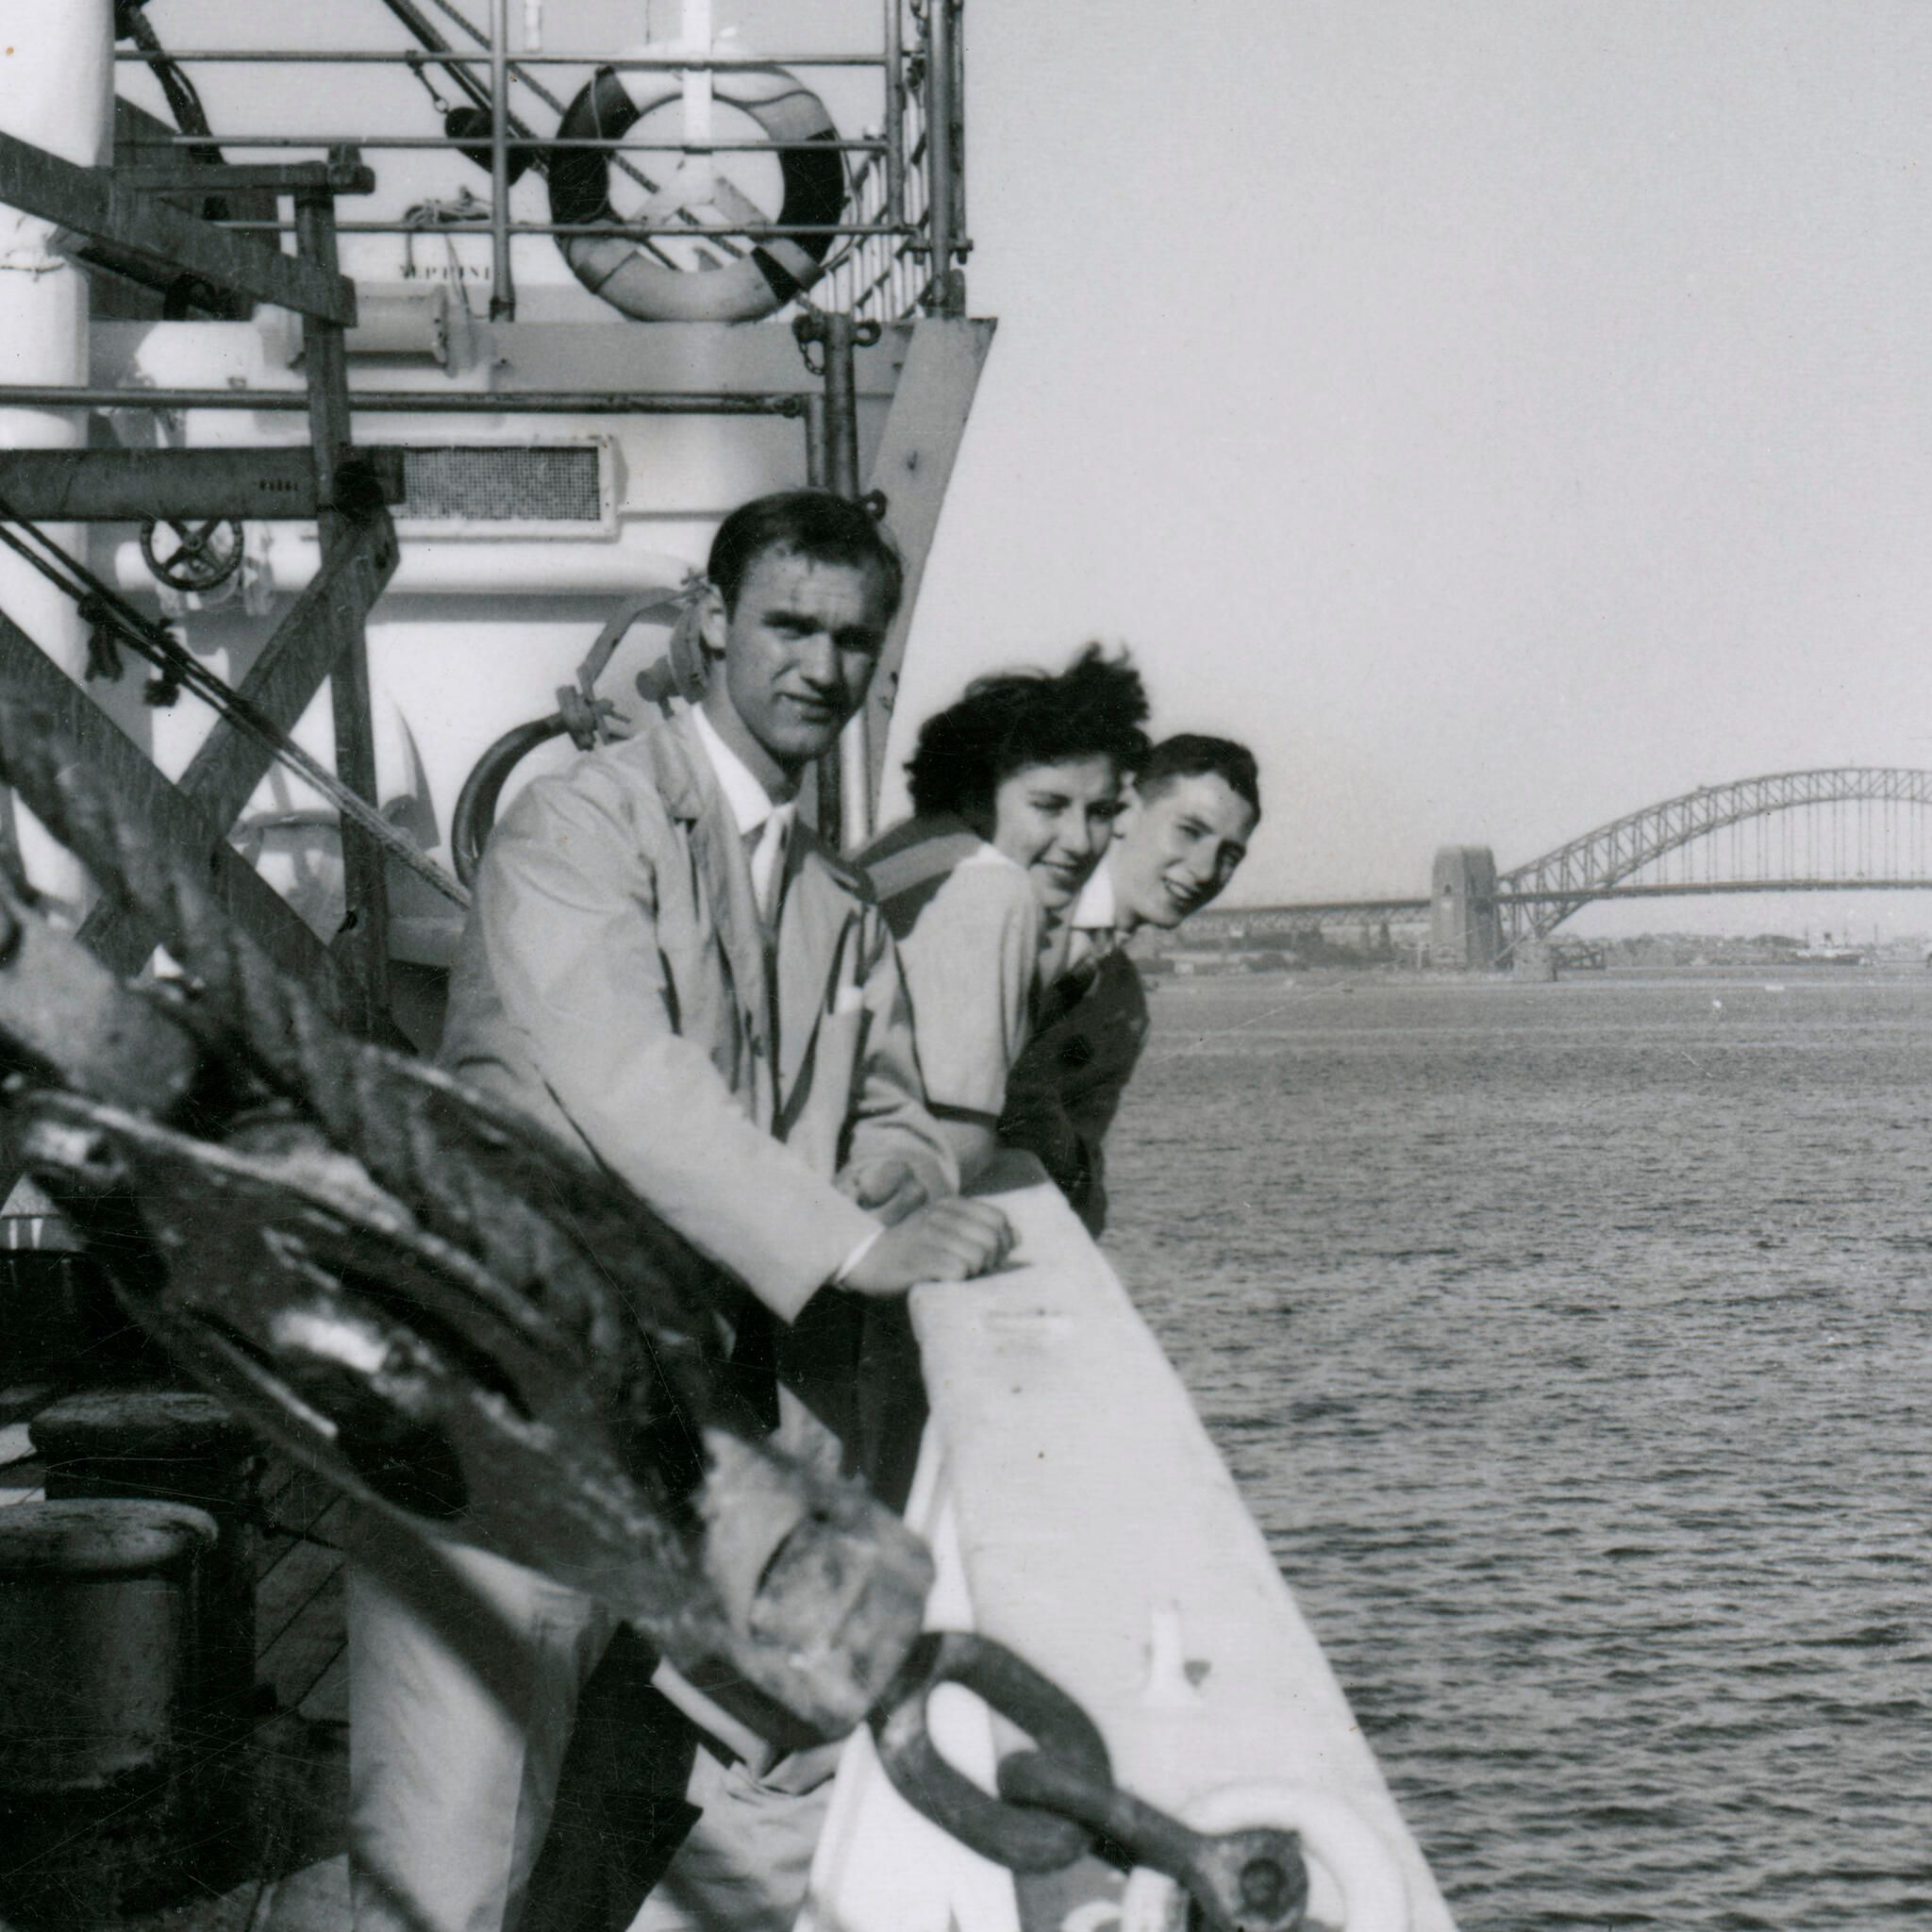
(1572, 1344)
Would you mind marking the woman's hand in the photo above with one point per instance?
(886, 1187)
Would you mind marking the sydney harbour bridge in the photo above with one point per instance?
(1854, 827)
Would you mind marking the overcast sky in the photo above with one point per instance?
(1502, 413)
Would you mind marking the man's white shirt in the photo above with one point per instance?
(753, 809)
(1090, 928)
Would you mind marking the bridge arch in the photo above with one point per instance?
(1537, 898)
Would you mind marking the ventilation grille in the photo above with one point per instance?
(559, 489)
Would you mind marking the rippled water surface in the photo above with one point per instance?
(1573, 1346)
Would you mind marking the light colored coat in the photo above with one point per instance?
(613, 983)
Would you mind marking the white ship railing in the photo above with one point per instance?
(1081, 1516)
(906, 204)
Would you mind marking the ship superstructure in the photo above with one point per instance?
(550, 462)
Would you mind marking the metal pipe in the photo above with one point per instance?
(844, 812)
(484, 565)
(842, 408)
(763, 232)
(610, 143)
(59, 95)
(434, 402)
(946, 294)
(503, 293)
(815, 441)
(365, 940)
(363, 57)
(962, 240)
(896, 113)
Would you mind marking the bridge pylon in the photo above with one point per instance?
(1465, 932)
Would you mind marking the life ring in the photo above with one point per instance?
(618, 269)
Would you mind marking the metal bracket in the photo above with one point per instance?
(122, 941)
(912, 467)
(95, 202)
(344, 176)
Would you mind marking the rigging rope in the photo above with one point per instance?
(191, 117)
(179, 669)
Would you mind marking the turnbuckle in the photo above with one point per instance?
(1059, 1801)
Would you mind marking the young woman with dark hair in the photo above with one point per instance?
(1014, 789)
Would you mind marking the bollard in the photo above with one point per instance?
(58, 1311)
(165, 1446)
(98, 1609)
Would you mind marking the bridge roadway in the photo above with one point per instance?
(1844, 828)
(1230, 922)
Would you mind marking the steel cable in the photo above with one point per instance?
(481, 97)
(180, 668)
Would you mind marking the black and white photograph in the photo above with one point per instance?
(965, 965)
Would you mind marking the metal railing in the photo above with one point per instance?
(896, 250)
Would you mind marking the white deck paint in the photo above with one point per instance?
(1082, 1517)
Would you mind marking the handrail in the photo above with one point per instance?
(363, 57)
(482, 225)
(1169, 1621)
(503, 292)
(610, 143)
(438, 402)
(945, 294)
(897, 254)
(896, 113)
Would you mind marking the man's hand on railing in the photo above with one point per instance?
(950, 1241)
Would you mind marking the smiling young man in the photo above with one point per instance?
(665, 966)
(1195, 804)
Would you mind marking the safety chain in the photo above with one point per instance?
(1059, 1801)
(810, 325)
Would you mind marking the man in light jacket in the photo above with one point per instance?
(665, 966)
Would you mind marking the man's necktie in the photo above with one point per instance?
(1090, 949)
(753, 1348)
(764, 853)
